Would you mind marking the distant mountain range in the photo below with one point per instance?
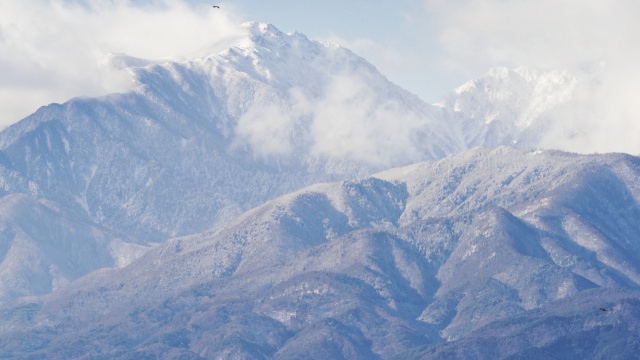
(228, 208)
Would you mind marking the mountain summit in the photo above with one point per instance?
(226, 208)
(513, 107)
(195, 144)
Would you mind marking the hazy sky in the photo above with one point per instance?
(51, 50)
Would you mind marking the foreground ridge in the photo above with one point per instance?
(433, 260)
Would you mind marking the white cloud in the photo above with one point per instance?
(52, 50)
(475, 35)
(540, 33)
(347, 121)
(267, 129)
(352, 122)
(602, 115)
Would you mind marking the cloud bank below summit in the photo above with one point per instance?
(347, 121)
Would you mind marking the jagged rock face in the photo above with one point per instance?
(391, 265)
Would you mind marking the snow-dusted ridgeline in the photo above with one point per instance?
(392, 264)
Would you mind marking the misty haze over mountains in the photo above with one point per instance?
(282, 199)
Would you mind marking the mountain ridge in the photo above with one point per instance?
(199, 215)
(350, 259)
(195, 143)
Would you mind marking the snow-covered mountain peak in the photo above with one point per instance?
(258, 37)
(256, 34)
(508, 106)
(268, 35)
(501, 83)
(253, 38)
(289, 59)
(199, 141)
(286, 96)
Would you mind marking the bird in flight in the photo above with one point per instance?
(216, 7)
(603, 309)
